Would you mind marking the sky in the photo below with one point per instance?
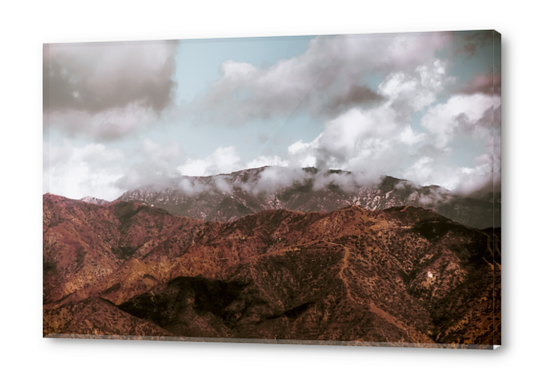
(418, 106)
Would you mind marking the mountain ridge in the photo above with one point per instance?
(227, 197)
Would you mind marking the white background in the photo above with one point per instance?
(26, 25)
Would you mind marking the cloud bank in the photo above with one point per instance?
(388, 105)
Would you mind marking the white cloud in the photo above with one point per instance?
(234, 70)
(469, 116)
(325, 77)
(222, 160)
(415, 90)
(76, 172)
(263, 160)
(410, 137)
(376, 140)
(462, 180)
(421, 172)
(273, 178)
(372, 141)
(460, 114)
(303, 154)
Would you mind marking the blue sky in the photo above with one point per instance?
(418, 106)
(198, 61)
(198, 67)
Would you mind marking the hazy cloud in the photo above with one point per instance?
(352, 96)
(108, 125)
(94, 77)
(222, 185)
(155, 166)
(470, 41)
(273, 178)
(324, 78)
(191, 187)
(488, 84)
(105, 90)
(348, 182)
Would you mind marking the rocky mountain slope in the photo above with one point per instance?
(404, 276)
(231, 196)
(94, 200)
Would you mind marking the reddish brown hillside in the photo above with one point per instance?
(403, 275)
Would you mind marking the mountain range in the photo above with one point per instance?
(400, 276)
(228, 197)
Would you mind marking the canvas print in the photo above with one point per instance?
(338, 189)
